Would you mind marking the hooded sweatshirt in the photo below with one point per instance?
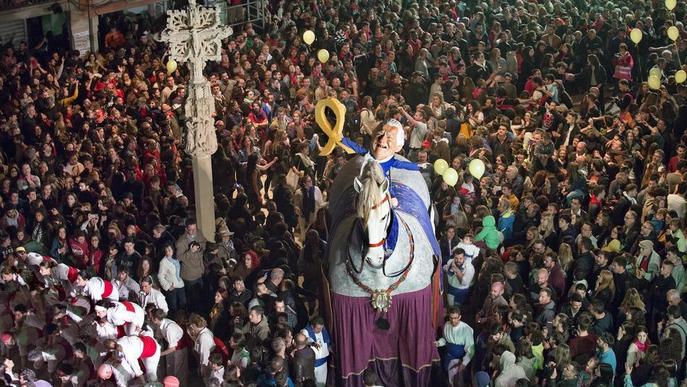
(510, 372)
(489, 234)
(506, 222)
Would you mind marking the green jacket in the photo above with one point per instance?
(489, 234)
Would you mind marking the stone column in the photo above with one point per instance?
(204, 196)
(201, 144)
(200, 26)
(84, 29)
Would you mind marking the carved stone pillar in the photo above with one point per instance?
(195, 36)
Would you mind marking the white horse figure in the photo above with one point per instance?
(381, 264)
(374, 212)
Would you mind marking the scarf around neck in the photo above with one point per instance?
(640, 346)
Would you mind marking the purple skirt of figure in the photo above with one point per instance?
(403, 355)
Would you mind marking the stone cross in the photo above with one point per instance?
(195, 37)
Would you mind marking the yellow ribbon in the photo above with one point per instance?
(335, 133)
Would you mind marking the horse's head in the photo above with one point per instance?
(374, 210)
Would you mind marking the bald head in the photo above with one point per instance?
(301, 340)
(496, 289)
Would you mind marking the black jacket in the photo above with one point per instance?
(303, 365)
(585, 264)
(443, 245)
(585, 77)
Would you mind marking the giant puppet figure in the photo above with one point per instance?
(382, 270)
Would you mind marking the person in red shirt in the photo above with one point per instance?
(583, 346)
(672, 164)
(257, 116)
(80, 249)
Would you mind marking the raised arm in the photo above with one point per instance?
(408, 117)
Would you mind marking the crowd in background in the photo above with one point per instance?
(574, 237)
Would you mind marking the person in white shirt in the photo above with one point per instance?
(171, 283)
(54, 273)
(460, 346)
(125, 314)
(143, 348)
(126, 286)
(676, 201)
(116, 372)
(459, 274)
(215, 372)
(98, 328)
(97, 288)
(319, 338)
(418, 133)
(469, 249)
(150, 295)
(203, 338)
(175, 353)
(102, 330)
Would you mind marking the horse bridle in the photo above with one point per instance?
(403, 272)
(374, 207)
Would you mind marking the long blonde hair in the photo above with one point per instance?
(631, 300)
(565, 256)
(605, 281)
(546, 226)
(371, 191)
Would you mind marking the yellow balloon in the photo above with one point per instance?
(308, 37)
(440, 166)
(655, 72)
(171, 66)
(654, 82)
(680, 76)
(323, 55)
(636, 35)
(673, 33)
(450, 177)
(476, 168)
(670, 4)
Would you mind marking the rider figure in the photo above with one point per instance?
(386, 144)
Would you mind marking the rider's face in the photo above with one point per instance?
(385, 144)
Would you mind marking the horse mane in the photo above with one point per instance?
(371, 177)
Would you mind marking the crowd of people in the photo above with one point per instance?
(573, 239)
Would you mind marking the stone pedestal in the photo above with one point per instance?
(204, 196)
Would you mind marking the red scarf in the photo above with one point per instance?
(640, 346)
